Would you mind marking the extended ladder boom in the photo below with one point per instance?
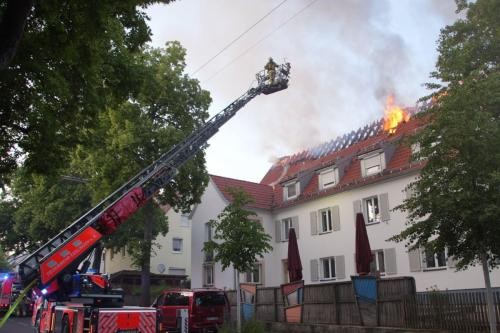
(63, 253)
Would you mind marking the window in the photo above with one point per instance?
(177, 244)
(286, 225)
(372, 164)
(433, 260)
(327, 268)
(209, 255)
(208, 275)
(185, 220)
(328, 178)
(291, 190)
(254, 276)
(371, 209)
(378, 262)
(326, 220)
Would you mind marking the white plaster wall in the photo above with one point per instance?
(165, 254)
(342, 242)
(212, 203)
(332, 244)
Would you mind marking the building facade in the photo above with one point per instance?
(318, 192)
(172, 259)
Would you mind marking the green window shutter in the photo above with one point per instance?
(340, 267)
(384, 207)
(390, 261)
(414, 259)
(277, 229)
(314, 222)
(295, 225)
(314, 270)
(335, 218)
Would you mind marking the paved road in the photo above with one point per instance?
(17, 325)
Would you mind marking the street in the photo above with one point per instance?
(17, 325)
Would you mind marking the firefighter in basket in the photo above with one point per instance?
(271, 70)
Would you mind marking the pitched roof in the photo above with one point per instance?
(343, 150)
(261, 193)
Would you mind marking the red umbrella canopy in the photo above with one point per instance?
(294, 264)
(363, 251)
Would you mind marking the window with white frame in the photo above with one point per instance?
(291, 190)
(185, 220)
(372, 164)
(327, 268)
(378, 262)
(326, 220)
(286, 225)
(209, 255)
(433, 260)
(177, 244)
(372, 209)
(328, 178)
(208, 275)
(254, 275)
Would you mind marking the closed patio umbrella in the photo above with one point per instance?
(294, 264)
(362, 247)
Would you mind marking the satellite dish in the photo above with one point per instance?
(161, 268)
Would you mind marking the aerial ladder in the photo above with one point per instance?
(51, 267)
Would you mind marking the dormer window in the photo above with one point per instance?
(328, 178)
(372, 163)
(291, 190)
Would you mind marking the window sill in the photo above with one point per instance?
(177, 252)
(325, 232)
(433, 269)
(329, 279)
(372, 223)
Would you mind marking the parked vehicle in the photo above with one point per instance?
(206, 309)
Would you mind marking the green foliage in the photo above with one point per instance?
(455, 205)
(129, 136)
(4, 265)
(72, 60)
(238, 238)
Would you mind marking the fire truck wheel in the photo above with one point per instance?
(37, 323)
(65, 325)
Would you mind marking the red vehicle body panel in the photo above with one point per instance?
(67, 254)
(120, 211)
(6, 293)
(206, 309)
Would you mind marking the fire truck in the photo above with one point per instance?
(74, 301)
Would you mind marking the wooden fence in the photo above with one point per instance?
(453, 310)
(398, 305)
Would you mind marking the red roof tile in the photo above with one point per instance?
(261, 193)
(269, 193)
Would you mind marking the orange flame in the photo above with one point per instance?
(394, 115)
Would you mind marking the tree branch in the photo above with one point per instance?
(11, 29)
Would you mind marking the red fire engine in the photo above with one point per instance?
(73, 301)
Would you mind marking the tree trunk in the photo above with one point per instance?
(489, 295)
(96, 262)
(11, 29)
(146, 256)
(238, 301)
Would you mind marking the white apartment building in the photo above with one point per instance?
(172, 259)
(318, 192)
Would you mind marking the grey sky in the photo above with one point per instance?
(346, 56)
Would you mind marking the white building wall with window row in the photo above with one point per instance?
(325, 228)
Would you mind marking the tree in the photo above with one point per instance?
(238, 238)
(60, 63)
(4, 265)
(454, 206)
(130, 135)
